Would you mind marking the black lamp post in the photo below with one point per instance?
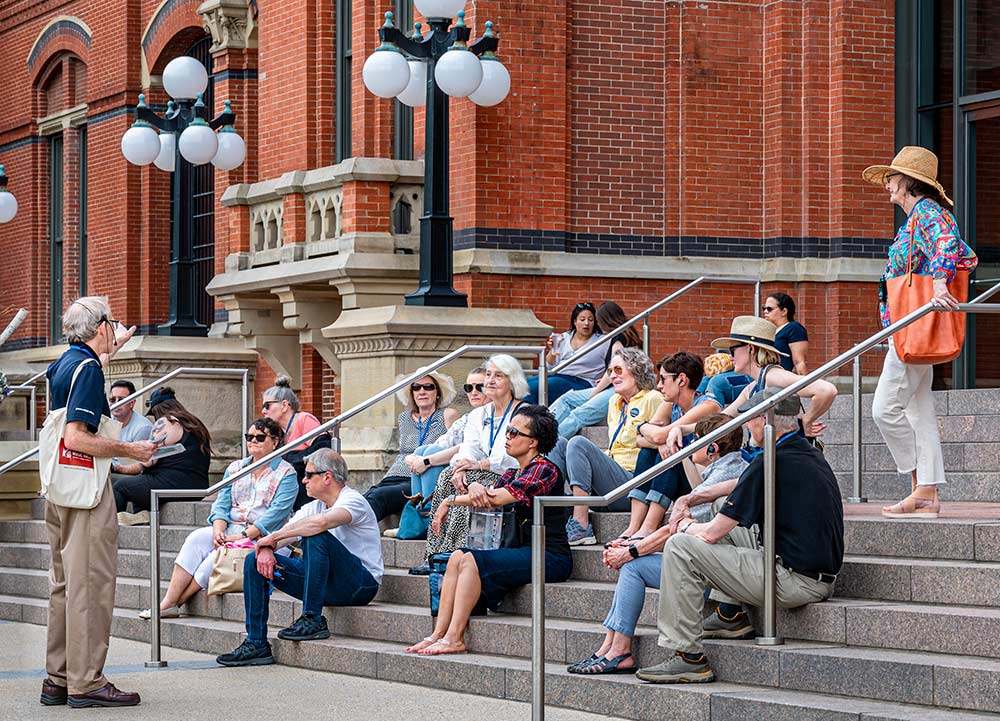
(458, 79)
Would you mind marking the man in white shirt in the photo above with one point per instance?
(341, 564)
(135, 427)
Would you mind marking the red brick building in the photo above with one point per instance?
(643, 144)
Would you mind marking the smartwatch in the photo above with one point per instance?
(633, 551)
(427, 462)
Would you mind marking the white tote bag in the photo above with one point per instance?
(70, 478)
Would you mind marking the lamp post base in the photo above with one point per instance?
(441, 297)
(188, 328)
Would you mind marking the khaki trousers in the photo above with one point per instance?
(84, 547)
(734, 569)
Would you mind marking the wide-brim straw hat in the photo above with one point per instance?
(446, 388)
(912, 161)
(751, 330)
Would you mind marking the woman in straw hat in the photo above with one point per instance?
(751, 341)
(903, 407)
(426, 416)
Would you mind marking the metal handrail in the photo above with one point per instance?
(644, 317)
(29, 385)
(769, 636)
(334, 423)
(245, 373)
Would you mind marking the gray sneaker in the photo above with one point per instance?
(677, 670)
(578, 535)
(717, 627)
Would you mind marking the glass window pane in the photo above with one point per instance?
(936, 42)
(985, 238)
(934, 131)
(982, 46)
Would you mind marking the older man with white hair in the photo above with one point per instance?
(84, 542)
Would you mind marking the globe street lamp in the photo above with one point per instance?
(8, 203)
(187, 137)
(427, 69)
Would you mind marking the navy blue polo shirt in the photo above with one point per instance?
(89, 401)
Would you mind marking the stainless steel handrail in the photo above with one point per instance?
(644, 317)
(32, 389)
(245, 373)
(769, 636)
(334, 423)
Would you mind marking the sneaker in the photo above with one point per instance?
(247, 654)
(678, 670)
(390, 532)
(133, 519)
(172, 612)
(738, 627)
(305, 628)
(578, 535)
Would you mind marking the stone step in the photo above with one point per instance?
(980, 401)
(953, 429)
(957, 681)
(977, 487)
(173, 513)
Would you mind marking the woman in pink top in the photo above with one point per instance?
(281, 405)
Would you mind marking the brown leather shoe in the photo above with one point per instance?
(52, 695)
(107, 695)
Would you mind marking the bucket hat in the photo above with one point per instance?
(912, 161)
(751, 330)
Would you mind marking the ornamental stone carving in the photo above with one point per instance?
(231, 24)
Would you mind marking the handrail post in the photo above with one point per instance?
(246, 408)
(154, 582)
(543, 379)
(32, 414)
(645, 334)
(48, 397)
(770, 636)
(538, 612)
(856, 433)
(335, 438)
(756, 298)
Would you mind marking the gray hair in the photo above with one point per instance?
(510, 367)
(640, 366)
(328, 460)
(785, 424)
(282, 391)
(83, 317)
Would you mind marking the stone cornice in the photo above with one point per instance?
(62, 120)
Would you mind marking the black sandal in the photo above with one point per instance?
(605, 665)
(575, 667)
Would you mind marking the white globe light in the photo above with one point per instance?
(140, 144)
(232, 150)
(495, 85)
(386, 73)
(8, 206)
(459, 72)
(165, 160)
(198, 144)
(185, 78)
(415, 94)
(439, 8)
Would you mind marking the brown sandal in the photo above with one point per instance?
(913, 507)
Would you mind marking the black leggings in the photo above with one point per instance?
(136, 489)
(389, 496)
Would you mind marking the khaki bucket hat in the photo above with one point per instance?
(750, 330)
(912, 161)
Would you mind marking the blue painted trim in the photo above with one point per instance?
(161, 16)
(21, 142)
(235, 74)
(50, 33)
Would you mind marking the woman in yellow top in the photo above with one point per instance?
(594, 471)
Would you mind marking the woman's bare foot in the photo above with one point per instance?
(443, 646)
(418, 647)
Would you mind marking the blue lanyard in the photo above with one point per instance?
(290, 422)
(750, 453)
(503, 418)
(423, 430)
(621, 424)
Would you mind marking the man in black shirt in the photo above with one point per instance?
(809, 541)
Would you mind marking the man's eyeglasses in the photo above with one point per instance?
(469, 387)
(422, 386)
(310, 474)
(259, 437)
(513, 432)
(112, 399)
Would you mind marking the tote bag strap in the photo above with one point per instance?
(76, 374)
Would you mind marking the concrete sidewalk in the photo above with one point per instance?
(194, 687)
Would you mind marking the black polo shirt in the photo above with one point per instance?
(809, 531)
(89, 401)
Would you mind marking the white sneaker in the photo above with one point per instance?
(172, 612)
(390, 532)
(133, 519)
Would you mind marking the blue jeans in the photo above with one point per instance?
(425, 482)
(555, 386)
(576, 410)
(630, 593)
(326, 575)
(664, 488)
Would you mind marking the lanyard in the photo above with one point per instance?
(503, 419)
(290, 422)
(749, 453)
(621, 424)
(423, 430)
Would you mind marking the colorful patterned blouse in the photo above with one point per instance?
(939, 249)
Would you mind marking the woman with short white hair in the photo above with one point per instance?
(482, 458)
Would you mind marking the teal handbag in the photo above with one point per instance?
(414, 520)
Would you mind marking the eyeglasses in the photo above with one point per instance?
(669, 375)
(259, 437)
(112, 399)
(469, 387)
(310, 474)
(513, 432)
(616, 370)
(268, 404)
(422, 386)
(767, 309)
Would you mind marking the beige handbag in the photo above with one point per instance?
(227, 570)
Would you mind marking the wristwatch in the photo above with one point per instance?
(451, 498)
(633, 551)
(687, 526)
(244, 533)
(427, 462)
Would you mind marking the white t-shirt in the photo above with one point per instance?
(361, 536)
(138, 428)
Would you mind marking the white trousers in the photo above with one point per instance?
(904, 412)
(195, 555)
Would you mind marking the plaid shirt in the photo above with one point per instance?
(538, 478)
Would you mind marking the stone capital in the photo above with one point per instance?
(231, 24)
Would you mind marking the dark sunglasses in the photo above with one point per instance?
(513, 432)
(738, 345)
(112, 399)
(422, 386)
(469, 387)
(310, 474)
(767, 309)
(259, 437)
(268, 404)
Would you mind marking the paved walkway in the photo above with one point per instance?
(194, 687)
(967, 511)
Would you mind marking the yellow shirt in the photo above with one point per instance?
(623, 422)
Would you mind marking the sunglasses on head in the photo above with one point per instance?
(513, 432)
(585, 306)
(259, 437)
(422, 386)
(469, 387)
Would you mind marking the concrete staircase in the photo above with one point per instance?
(913, 631)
